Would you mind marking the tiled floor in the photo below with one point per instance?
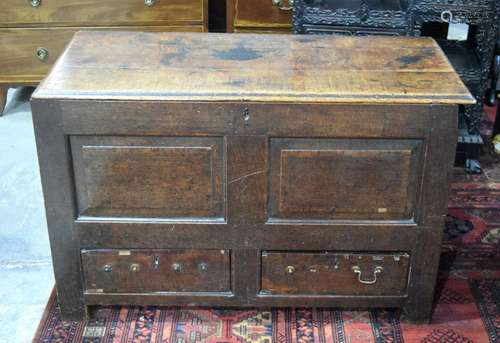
(26, 277)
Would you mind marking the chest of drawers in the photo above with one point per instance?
(259, 16)
(214, 174)
(33, 33)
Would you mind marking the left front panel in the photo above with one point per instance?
(159, 178)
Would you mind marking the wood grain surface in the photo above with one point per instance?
(17, 13)
(247, 67)
(19, 62)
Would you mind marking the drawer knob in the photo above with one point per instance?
(373, 280)
(150, 3)
(107, 268)
(177, 267)
(35, 3)
(135, 267)
(281, 4)
(42, 54)
(290, 269)
(203, 267)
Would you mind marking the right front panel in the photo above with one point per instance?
(348, 179)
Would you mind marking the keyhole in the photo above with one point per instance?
(246, 114)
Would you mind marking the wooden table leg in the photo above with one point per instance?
(3, 98)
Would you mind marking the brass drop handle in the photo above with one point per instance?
(35, 3)
(281, 4)
(373, 280)
(290, 269)
(42, 54)
(150, 3)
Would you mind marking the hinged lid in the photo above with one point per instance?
(250, 67)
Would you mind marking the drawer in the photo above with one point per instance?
(331, 273)
(261, 14)
(28, 54)
(147, 271)
(97, 12)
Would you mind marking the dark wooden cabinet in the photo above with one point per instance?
(208, 172)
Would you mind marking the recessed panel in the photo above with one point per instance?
(149, 177)
(344, 179)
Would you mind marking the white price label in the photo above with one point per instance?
(458, 32)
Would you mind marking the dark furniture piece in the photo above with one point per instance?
(208, 172)
(471, 57)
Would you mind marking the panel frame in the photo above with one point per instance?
(213, 145)
(278, 146)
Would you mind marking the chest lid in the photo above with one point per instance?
(251, 67)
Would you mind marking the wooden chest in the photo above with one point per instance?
(247, 170)
(33, 33)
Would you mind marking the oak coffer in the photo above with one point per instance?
(247, 170)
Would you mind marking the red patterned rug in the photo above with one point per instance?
(467, 299)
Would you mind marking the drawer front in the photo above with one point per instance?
(328, 273)
(261, 14)
(28, 54)
(96, 12)
(328, 179)
(147, 271)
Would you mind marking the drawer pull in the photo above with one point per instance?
(150, 3)
(290, 269)
(281, 4)
(203, 267)
(377, 270)
(42, 54)
(107, 268)
(177, 267)
(35, 3)
(135, 267)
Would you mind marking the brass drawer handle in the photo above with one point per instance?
(377, 270)
(290, 269)
(35, 3)
(135, 267)
(42, 54)
(281, 4)
(107, 268)
(177, 267)
(150, 3)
